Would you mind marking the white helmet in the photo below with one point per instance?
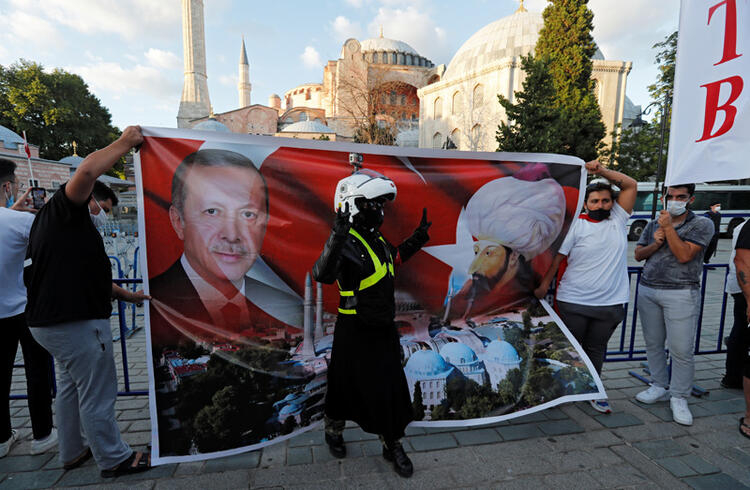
(363, 183)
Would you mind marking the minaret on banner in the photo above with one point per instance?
(318, 311)
(243, 86)
(194, 103)
(308, 344)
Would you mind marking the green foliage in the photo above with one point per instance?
(323, 137)
(373, 134)
(536, 309)
(54, 108)
(535, 124)
(566, 42)
(666, 59)
(540, 386)
(418, 403)
(527, 323)
(440, 412)
(215, 425)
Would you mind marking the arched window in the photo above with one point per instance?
(393, 97)
(456, 103)
(456, 137)
(476, 136)
(478, 96)
(303, 116)
(438, 108)
(437, 140)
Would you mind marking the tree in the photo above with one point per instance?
(566, 42)
(535, 124)
(418, 403)
(215, 426)
(636, 149)
(54, 108)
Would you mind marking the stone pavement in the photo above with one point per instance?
(571, 446)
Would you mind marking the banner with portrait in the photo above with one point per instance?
(240, 336)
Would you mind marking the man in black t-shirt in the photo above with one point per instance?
(715, 216)
(69, 284)
(742, 263)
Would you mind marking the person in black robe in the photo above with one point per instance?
(366, 381)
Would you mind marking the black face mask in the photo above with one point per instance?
(598, 214)
(370, 214)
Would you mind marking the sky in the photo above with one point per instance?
(130, 53)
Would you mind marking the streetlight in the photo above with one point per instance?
(638, 123)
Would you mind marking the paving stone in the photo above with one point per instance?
(131, 403)
(155, 473)
(646, 432)
(31, 479)
(321, 454)
(738, 455)
(142, 414)
(309, 438)
(676, 466)
(373, 448)
(532, 417)
(555, 414)
(414, 431)
(10, 464)
(477, 436)
(85, 475)
(517, 432)
(559, 427)
(227, 479)
(137, 438)
(712, 482)
(189, 468)
(725, 406)
(298, 455)
(621, 383)
(701, 466)
(621, 475)
(578, 480)
(140, 426)
(663, 448)
(357, 434)
(618, 420)
(242, 461)
(432, 442)
(289, 475)
(274, 455)
(645, 465)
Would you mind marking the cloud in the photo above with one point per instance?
(162, 59)
(111, 79)
(130, 20)
(355, 3)
(229, 80)
(22, 26)
(311, 58)
(414, 26)
(343, 28)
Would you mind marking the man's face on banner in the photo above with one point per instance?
(223, 221)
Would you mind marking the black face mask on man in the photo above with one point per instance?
(598, 214)
(371, 213)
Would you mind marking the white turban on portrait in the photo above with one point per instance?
(524, 216)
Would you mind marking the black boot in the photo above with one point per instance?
(401, 462)
(336, 445)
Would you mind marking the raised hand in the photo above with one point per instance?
(594, 167)
(341, 223)
(22, 204)
(424, 225)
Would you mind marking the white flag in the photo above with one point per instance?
(710, 135)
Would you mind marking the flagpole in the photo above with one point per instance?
(28, 157)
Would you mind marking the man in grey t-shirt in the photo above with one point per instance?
(669, 297)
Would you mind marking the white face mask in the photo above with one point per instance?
(718, 208)
(100, 219)
(676, 208)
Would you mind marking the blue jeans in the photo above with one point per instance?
(86, 390)
(670, 316)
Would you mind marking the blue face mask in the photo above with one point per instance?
(9, 199)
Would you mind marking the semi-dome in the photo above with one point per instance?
(10, 139)
(426, 364)
(212, 124)
(307, 127)
(502, 352)
(515, 35)
(458, 353)
(385, 44)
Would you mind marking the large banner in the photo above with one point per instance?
(711, 119)
(240, 337)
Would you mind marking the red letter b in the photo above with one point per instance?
(713, 90)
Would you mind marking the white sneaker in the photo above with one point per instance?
(652, 395)
(680, 411)
(39, 446)
(600, 406)
(5, 446)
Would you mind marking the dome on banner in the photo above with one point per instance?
(426, 364)
(458, 353)
(501, 352)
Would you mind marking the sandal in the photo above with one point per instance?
(79, 460)
(745, 432)
(136, 463)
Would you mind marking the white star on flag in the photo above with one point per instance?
(458, 255)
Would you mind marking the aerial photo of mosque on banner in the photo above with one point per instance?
(240, 335)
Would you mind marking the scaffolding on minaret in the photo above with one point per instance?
(194, 103)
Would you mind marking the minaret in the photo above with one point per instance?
(194, 103)
(318, 310)
(243, 86)
(308, 344)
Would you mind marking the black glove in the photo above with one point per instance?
(341, 223)
(424, 225)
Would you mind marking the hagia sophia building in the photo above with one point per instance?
(425, 103)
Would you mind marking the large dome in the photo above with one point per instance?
(458, 353)
(426, 364)
(307, 127)
(385, 44)
(211, 124)
(502, 352)
(515, 35)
